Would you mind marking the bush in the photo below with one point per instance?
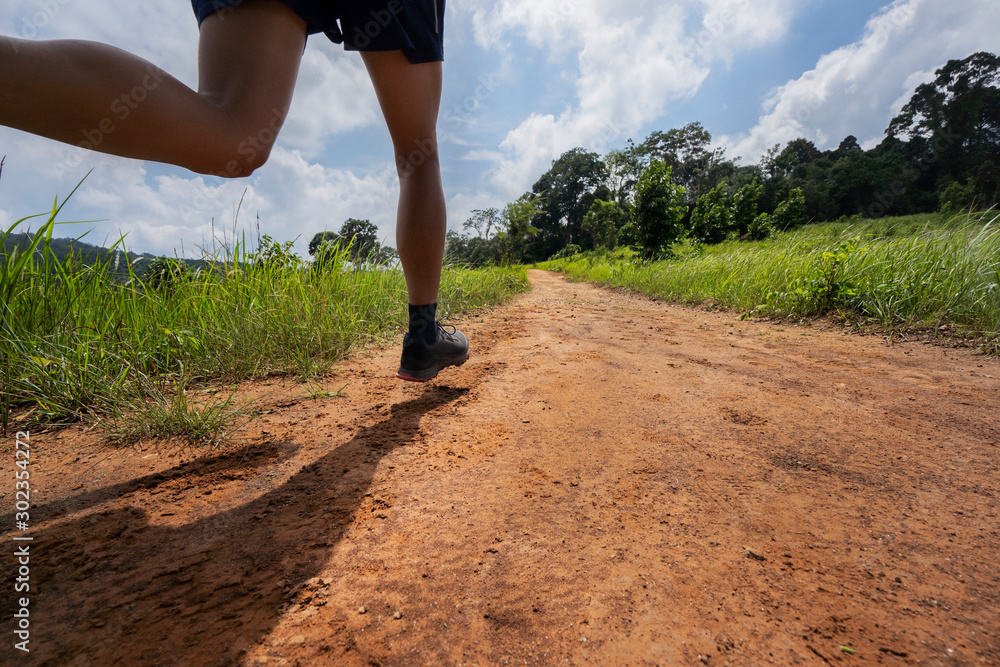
(659, 211)
(745, 207)
(957, 197)
(568, 251)
(790, 213)
(165, 273)
(761, 228)
(712, 218)
(603, 221)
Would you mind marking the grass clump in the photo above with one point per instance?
(917, 272)
(78, 344)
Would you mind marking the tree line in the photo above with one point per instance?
(941, 152)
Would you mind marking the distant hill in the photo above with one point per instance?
(89, 254)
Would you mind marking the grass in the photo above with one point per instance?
(916, 272)
(77, 345)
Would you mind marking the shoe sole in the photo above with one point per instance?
(411, 377)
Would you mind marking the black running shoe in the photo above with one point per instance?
(422, 361)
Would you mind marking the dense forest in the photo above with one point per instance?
(941, 152)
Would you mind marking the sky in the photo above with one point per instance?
(525, 81)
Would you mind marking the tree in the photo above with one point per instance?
(687, 152)
(165, 273)
(567, 188)
(623, 168)
(274, 254)
(603, 221)
(516, 227)
(360, 237)
(956, 117)
(797, 154)
(848, 145)
(712, 218)
(791, 213)
(659, 211)
(958, 197)
(472, 251)
(745, 207)
(761, 228)
(484, 221)
(319, 239)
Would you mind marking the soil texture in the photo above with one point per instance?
(608, 480)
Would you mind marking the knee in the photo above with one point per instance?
(238, 157)
(234, 166)
(419, 157)
(243, 146)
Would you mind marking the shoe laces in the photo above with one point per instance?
(447, 330)
(444, 327)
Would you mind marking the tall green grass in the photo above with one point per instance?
(75, 344)
(913, 272)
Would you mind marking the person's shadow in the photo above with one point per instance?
(108, 588)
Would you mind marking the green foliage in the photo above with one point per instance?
(358, 238)
(745, 203)
(208, 421)
(712, 218)
(362, 238)
(120, 355)
(962, 99)
(915, 272)
(321, 238)
(471, 251)
(822, 289)
(330, 257)
(791, 213)
(165, 273)
(761, 228)
(623, 168)
(659, 211)
(687, 152)
(568, 188)
(603, 221)
(569, 251)
(272, 255)
(958, 197)
(516, 228)
(484, 221)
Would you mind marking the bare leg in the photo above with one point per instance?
(102, 98)
(410, 96)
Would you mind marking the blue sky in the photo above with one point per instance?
(525, 80)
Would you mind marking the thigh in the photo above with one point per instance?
(248, 60)
(410, 96)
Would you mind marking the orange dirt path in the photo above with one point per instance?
(608, 480)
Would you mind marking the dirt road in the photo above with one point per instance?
(608, 481)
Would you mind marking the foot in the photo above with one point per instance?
(422, 361)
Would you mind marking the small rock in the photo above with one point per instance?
(362, 609)
(398, 615)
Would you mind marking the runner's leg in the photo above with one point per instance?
(410, 96)
(100, 97)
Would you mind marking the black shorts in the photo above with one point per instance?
(415, 27)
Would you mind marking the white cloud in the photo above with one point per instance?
(462, 203)
(857, 89)
(162, 206)
(633, 59)
(730, 26)
(333, 95)
(291, 197)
